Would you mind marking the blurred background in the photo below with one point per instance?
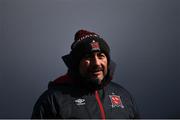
(144, 36)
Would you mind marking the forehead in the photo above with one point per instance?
(94, 53)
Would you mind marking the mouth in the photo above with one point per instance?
(97, 72)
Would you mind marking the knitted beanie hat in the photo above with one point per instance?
(86, 42)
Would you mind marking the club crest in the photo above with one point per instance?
(116, 101)
(94, 45)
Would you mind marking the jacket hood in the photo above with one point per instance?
(70, 77)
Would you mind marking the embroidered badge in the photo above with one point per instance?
(80, 102)
(116, 101)
(95, 45)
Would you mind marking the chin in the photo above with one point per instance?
(99, 80)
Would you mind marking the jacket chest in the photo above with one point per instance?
(87, 106)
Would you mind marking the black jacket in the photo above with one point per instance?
(67, 97)
(65, 100)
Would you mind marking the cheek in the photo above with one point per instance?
(84, 64)
(105, 64)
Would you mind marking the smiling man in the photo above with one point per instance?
(87, 90)
(94, 66)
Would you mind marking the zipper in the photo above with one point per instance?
(100, 105)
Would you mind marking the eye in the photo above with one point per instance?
(101, 55)
(87, 56)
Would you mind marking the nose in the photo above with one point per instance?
(96, 61)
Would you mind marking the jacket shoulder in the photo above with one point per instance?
(48, 101)
(120, 89)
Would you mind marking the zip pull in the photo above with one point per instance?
(100, 105)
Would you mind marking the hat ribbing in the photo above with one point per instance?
(82, 35)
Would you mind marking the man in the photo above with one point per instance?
(86, 91)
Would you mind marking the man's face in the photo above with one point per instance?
(94, 66)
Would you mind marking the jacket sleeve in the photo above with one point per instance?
(135, 109)
(38, 112)
(44, 108)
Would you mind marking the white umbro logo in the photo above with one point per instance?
(80, 101)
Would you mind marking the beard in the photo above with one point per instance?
(95, 74)
(92, 84)
(91, 80)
